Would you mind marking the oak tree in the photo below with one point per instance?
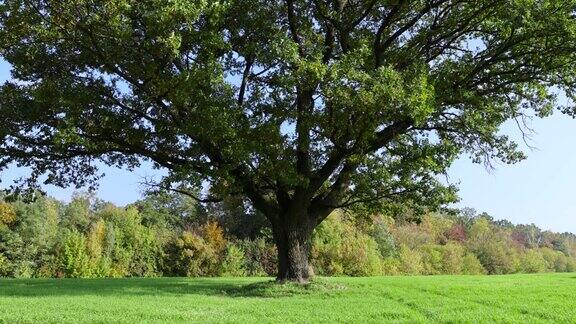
(299, 106)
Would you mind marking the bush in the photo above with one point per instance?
(23, 269)
(457, 233)
(432, 259)
(74, 259)
(48, 268)
(498, 258)
(471, 265)
(384, 239)
(571, 265)
(453, 258)
(190, 255)
(391, 266)
(361, 257)
(532, 261)
(4, 266)
(410, 261)
(102, 268)
(555, 260)
(494, 248)
(214, 236)
(260, 257)
(233, 264)
(338, 248)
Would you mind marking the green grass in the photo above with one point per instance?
(513, 298)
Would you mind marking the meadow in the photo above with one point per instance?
(507, 298)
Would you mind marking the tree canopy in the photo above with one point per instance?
(299, 106)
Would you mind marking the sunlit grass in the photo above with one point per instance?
(513, 298)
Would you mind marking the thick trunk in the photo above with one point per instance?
(293, 244)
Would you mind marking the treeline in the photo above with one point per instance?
(171, 235)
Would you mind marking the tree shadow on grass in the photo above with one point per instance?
(272, 289)
(223, 287)
(112, 287)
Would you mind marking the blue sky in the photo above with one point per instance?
(539, 190)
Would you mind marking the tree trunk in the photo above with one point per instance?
(293, 244)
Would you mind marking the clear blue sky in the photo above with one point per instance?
(540, 190)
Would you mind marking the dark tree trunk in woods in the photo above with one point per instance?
(292, 236)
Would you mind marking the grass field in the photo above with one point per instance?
(513, 298)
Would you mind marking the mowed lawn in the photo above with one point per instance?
(511, 298)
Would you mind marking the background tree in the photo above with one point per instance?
(300, 106)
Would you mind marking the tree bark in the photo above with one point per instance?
(293, 244)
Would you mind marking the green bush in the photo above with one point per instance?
(432, 259)
(471, 265)
(260, 257)
(339, 248)
(555, 260)
(233, 264)
(498, 258)
(191, 256)
(532, 261)
(571, 265)
(453, 258)
(74, 259)
(391, 266)
(4, 266)
(410, 261)
(493, 247)
(380, 232)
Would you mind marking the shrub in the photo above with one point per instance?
(498, 258)
(233, 264)
(384, 239)
(410, 261)
(102, 268)
(571, 265)
(4, 266)
(338, 247)
(361, 256)
(554, 260)
(390, 266)
(260, 257)
(452, 258)
(561, 263)
(432, 259)
(48, 268)
(197, 254)
(532, 261)
(436, 225)
(74, 259)
(494, 248)
(190, 255)
(147, 252)
(471, 265)
(23, 269)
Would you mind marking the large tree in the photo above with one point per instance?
(300, 106)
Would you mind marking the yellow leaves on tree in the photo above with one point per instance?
(214, 236)
(7, 214)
